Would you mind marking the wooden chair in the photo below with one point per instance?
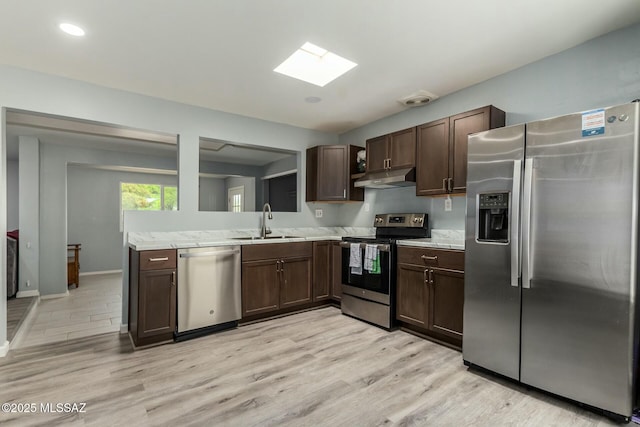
(73, 264)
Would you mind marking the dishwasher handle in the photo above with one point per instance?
(210, 253)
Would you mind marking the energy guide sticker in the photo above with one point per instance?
(593, 123)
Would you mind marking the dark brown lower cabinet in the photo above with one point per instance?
(412, 295)
(430, 292)
(260, 287)
(322, 270)
(447, 299)
(336, 271)
(152, 296)
(276, 276)
(295, 281)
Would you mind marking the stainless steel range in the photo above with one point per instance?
(369, 267)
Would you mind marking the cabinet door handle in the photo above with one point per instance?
(344, 193)
(444, 184)
(173, 278)
(450, 181)
(431, 276)
(388, 163)
(164, 258)
(282, 265)
(429, 258)
(424, 275)
(277, 266)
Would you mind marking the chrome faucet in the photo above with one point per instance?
(265, 230)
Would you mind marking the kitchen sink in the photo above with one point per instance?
(267, 238)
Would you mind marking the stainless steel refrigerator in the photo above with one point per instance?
(551, 255)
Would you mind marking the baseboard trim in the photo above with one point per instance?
(124, 328)
(53, 296)
(19, 337)
(30, 293)
(4, 349)
(95, 273)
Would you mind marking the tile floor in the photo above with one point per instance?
(93, 308)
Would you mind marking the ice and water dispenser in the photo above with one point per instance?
(493, 217)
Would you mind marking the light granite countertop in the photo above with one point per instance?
(142, 241)
(440, 239)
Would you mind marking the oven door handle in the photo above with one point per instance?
(381, 248)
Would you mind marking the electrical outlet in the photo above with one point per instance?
(447, 204)
(367, 207)
(318, 213)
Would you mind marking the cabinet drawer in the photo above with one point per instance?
(258, 252)
(158, 260)
(442, 258)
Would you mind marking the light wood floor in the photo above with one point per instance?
(317, 368)
(95, 307)
(17, 310)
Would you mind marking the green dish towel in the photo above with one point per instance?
(375, 269)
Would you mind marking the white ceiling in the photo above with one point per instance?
(220, 54)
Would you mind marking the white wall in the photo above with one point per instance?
(93, 213)
(601, 72)
(212, 194)
(12, 195)
(29, 216)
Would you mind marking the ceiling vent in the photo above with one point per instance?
(422, 97)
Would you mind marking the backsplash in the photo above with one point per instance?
(404, 200)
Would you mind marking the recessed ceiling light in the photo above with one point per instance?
(74, 30)
(314, 65)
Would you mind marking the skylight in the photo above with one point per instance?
(314, 65)
(71, 29)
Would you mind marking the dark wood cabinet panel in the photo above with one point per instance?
(402, 148)
(329, 169)
(157, 303)
(377, 153)
(462, 125)
(275, 251)
(152, 296)
(158, 260)
(336, 271)
(321, 270)
(295, 281)
(392, 151)
(430, 294)
(260, 287)
(447, 299)
(276, 276)
(441, 151)
(432, 158)
(412, 298)
(436, 258)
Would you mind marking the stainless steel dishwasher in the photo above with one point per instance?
(209, 296)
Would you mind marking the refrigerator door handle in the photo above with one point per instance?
(515, 222)
(526, 223)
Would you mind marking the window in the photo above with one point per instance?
(147, 197)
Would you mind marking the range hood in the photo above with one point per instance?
(388, 179)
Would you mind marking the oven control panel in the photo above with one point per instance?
(401, 220)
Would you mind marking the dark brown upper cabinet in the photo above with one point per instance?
(441, 150)
(329, 170)
(392, 151)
